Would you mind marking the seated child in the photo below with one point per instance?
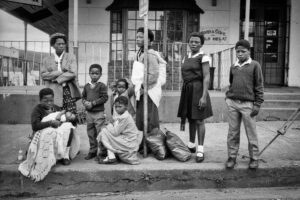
(122, 88)
(121, 137)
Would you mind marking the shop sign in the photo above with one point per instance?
(215, 35)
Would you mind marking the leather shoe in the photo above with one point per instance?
(90, 156)
(253, 164)
(66, 161)
(230, 163)
(199, 157)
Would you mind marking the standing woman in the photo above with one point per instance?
(156, 78)
(195, 101)
(59, 73)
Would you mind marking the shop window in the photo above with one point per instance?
(168, 26)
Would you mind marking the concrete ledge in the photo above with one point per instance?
(79, 178)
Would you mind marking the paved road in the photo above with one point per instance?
(276, 193)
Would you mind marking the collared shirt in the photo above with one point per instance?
(237, 64)
(93, 84)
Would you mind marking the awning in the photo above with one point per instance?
(190, 5)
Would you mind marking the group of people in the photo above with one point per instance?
(56, 139)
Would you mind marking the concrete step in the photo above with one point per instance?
(276, 103)
(282, 96)
(276, 114)
(92, 178)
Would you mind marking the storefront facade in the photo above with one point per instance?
(272, 28)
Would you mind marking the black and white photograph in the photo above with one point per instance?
(149, 99)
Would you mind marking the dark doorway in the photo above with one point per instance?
(269, 37)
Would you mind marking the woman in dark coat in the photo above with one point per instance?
(195, 101)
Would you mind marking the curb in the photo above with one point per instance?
(62, 181)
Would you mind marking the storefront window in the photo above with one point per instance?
(168, 26)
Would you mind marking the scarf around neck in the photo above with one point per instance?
(58, 60)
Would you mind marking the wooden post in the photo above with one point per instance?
(145, 83)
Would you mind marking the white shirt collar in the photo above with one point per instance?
(244, 63)
(90, 82)
(195, 55)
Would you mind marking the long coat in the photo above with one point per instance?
(68, 75)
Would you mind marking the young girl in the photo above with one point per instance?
(123, 89)
(121, 137)
(195, 102)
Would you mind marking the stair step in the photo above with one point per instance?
(276, 114)
(282, 96)
(274, 103)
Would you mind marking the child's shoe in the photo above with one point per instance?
(90, 156)
(108, 161)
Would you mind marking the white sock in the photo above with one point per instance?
(200, 148)
(191, 145)
(110, 154)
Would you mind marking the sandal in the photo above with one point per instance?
(199, 157)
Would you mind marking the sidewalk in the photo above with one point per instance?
(280, 165)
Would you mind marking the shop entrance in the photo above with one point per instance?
(269, 37)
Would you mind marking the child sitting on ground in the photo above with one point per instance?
(121, 137)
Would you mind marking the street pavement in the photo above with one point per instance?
(284, 148)
(273, 193)
(279, 165)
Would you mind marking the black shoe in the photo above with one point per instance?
(253, 164)
(199, 159)
(230, 163)
(90, 156)
(192, 150)
(66, 161)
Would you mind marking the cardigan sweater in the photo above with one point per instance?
(246, 83)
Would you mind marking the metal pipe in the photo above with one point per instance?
(75, 32)
(247, 16)
(145, 83)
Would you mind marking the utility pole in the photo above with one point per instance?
(143, 11)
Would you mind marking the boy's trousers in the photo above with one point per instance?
(238, 111)
(95, 122)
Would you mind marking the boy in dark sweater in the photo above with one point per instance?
(244, 98)
(94, 96)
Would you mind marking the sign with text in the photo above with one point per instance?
(215, 35)
(29, 2)
(143, 7)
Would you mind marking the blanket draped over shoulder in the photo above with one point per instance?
(47, 146)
